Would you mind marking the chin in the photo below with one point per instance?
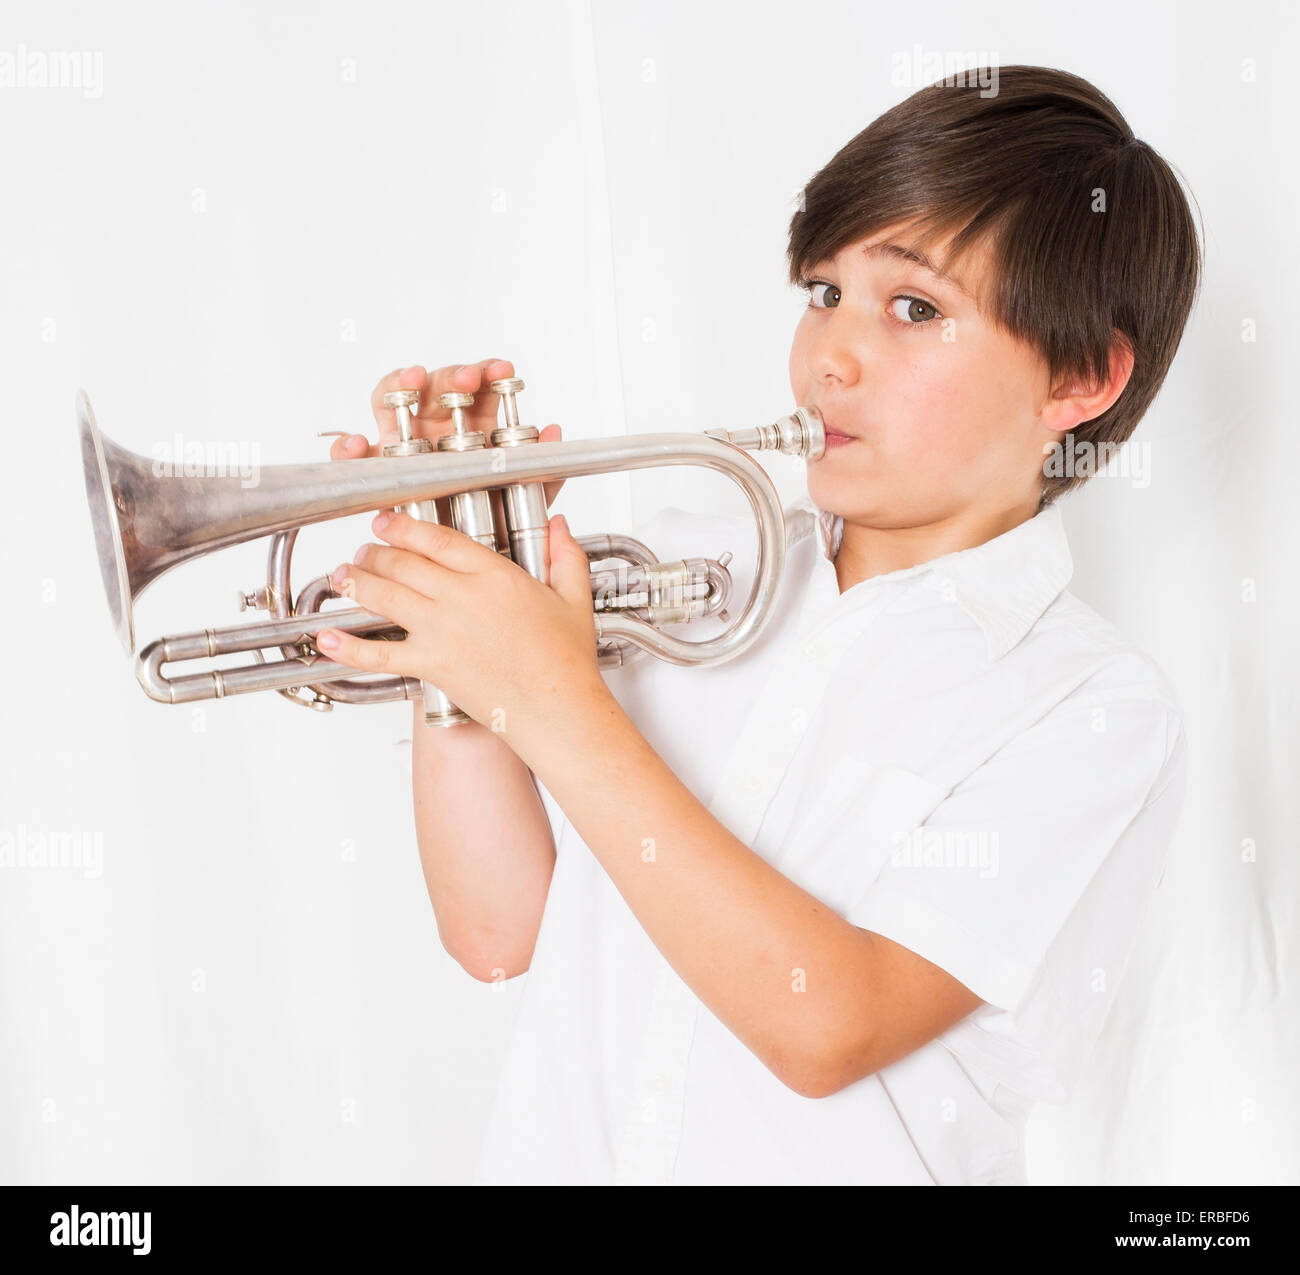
(860, 499)
(839, 493)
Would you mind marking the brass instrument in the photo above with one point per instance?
(145, 524)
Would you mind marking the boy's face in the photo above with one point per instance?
(941, 406)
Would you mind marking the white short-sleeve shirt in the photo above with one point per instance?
(960, 756)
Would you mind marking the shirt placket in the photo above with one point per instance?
(751, 778)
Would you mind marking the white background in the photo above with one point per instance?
(270, 205)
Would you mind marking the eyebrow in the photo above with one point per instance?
(901, 253)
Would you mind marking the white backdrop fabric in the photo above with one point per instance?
(239, 217)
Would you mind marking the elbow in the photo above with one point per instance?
(496, 968)
(493, 974)
(830, 1066)
(810, 1086)
(487, 955)
(816, 1081)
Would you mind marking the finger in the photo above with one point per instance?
(414, 570)
(569, 573)
(551, 434)
(370, 655)
(352, 447)
(384, 597)
(402, 378)
(465, 378)
(442, 545)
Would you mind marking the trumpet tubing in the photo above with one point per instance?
(145, 525)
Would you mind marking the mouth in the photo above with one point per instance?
(835, 437)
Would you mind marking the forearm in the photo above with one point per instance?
(485, 845)
(782, 971)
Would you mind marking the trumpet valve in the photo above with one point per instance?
(512, 431)
(507, 387)
(456, 404)
(402, 402)
(471, 511)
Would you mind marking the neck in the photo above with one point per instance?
(866, 551)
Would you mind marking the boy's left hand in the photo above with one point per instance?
(507, 649)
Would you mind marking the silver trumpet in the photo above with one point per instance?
(145, 524)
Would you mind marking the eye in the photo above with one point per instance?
(915, 313)
(831, 296)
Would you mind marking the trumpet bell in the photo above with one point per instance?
(110, 491)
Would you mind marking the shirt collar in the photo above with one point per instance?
(1004, 585)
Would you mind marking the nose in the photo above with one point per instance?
(830, 352)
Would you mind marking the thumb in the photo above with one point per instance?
(570, 575)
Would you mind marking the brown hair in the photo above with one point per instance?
(1022, 171)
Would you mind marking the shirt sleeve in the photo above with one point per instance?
(1030, 881)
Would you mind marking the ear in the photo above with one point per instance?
(1075, 401)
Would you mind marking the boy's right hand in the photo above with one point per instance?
(429, 420)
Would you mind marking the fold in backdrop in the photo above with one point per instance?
(227, 221)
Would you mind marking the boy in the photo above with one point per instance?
(843, 909)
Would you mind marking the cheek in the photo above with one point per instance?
(954, 400)
(922, 406)
(799, 377)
